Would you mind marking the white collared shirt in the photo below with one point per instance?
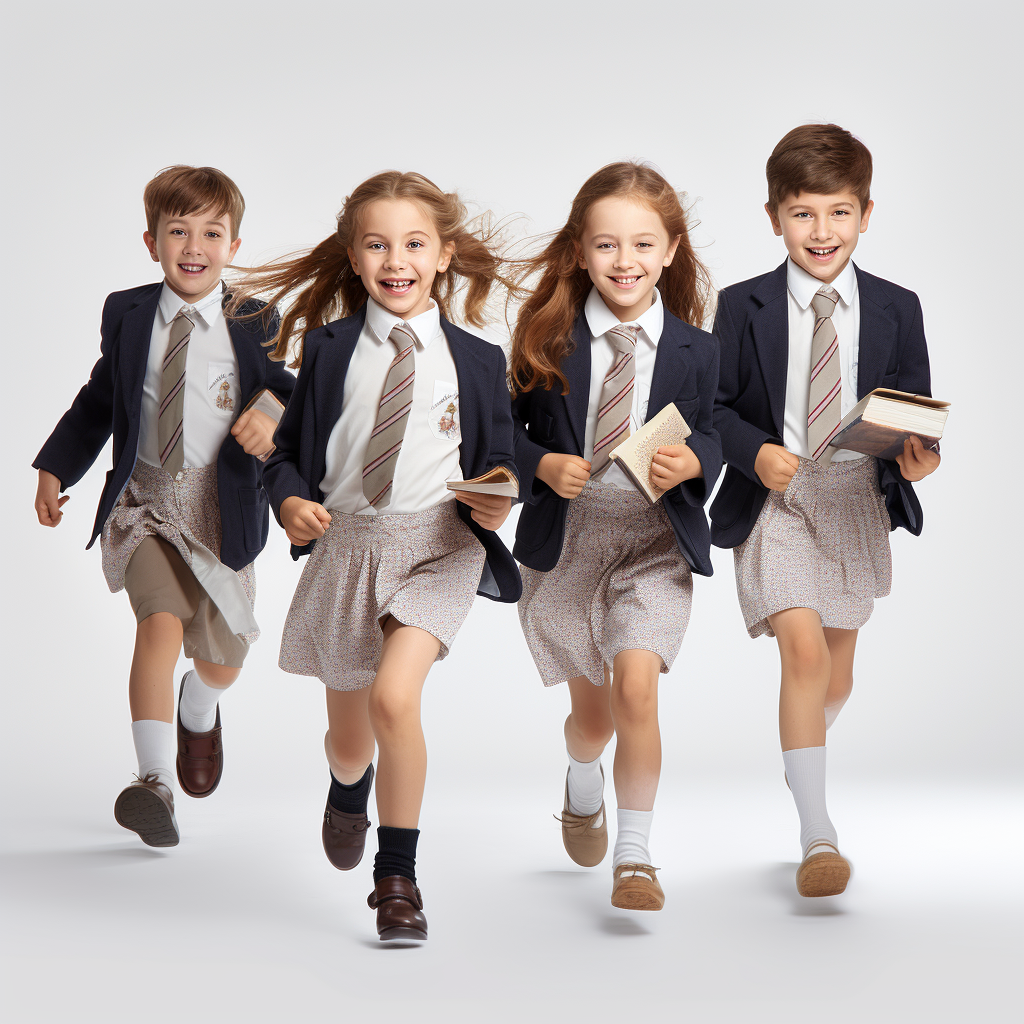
(801, 288)
(430, 448)
(600, 320)
(212, 394)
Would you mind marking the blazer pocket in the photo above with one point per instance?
(255, 522)
(690, 411)
(542, 426)
(890, 380)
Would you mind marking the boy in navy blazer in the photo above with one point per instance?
(809, 523)
(192, 400)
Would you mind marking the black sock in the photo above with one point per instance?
(351, 799)
(396, 854)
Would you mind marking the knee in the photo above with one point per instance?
(216, 675)
(594, 730)
(839, 688)
(634, 700)
(392, 712)
(806, 658)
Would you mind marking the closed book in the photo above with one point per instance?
(881, 422)
(267, 402)
(496, 481)
(636, 454)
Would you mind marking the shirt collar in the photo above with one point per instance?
(803, 287)
(208, 309)
(425, 327)
(600, 319)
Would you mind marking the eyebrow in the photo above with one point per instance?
(642, 234)
(209, 224)
(408, 234)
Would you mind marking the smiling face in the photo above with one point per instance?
(821, 231)
(624, 248)
(397, 253)
(193, 251)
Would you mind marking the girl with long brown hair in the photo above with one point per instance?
(392, 403)
(609, 336)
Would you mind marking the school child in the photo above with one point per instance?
(183, 514)
(604, 342)
(392, 402)
(809, 524)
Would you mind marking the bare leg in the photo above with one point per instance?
(634, 711)
(349, 742)
(842, 644)
(394, 709)
(588, 727)
(806, 669)
(220, 677)
(151, 681)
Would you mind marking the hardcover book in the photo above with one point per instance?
(882, 421)
(636, 454)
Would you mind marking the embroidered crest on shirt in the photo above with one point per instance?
(444, 412)
(221, 382)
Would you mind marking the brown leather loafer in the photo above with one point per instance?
(147, 807)
(399, 907)
(200, 760)
(584, 841)
(344, 835)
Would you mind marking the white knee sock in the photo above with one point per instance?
(154, 742)
(805, 770)
(832, 711)
(198, 706)
(586, 786)
(632, 838)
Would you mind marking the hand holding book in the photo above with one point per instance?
(916, 460)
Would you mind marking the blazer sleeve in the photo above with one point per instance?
(915, 377)
(279, 380)
(281, 475)
(502, 451)
(704, 440)
(83, 430)
(527, 453)
(741, 441)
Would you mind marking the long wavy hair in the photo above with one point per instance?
(328, 288)
(543, 333)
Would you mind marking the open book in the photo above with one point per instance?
(496, 481)
(881, 421)
(635, 455)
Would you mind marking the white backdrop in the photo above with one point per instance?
(514, 108)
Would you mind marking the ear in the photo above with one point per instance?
(150, 245)
(773, 216)
(446, 257)
(866, 215)
(671, 254)
(352, 259)
(234, 248)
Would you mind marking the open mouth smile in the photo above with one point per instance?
(626, 281)
(397, 286)
(822, 252)
(192, 268)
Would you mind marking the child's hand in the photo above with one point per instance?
(915, 463)
(254, 431)
(566, 475)
(489, 510)
(672, 464)
(303, 520)
(775, 466)
(48, 499)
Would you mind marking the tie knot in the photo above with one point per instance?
(824, 301)
(624, 336)
(401, 336)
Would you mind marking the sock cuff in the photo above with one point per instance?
(402, 840)
(627, 818)
(352, 786)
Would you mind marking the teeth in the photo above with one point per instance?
(824, 252)
(626, 280)
(192, 266)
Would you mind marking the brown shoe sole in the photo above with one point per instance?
(824, 874)
(403, 934)
(142, 811)
(637, 894)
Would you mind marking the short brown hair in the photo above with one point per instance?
(181, 191)
(819, 158)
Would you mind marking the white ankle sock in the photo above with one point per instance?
(198, 705)
(805, 770)
(632, 837)
(586, 786)
(154, 742)
(832, 711)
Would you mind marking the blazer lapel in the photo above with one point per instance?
(770, 328)
(136, 335)
(669, 364)
(878, 333)
(246, 345)
(331, 392)
(576, 367)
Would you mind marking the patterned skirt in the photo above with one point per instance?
(422, 568)
(184, 512)
(823, 544)
(621, 583)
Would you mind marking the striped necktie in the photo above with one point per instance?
(616, 397)
(825, 396)
(172, 394)
(392, 418)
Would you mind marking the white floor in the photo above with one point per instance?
(246, 920)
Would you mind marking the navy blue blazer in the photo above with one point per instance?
(299, 464)
(111, 402)
(752, 326)
(685, 372)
